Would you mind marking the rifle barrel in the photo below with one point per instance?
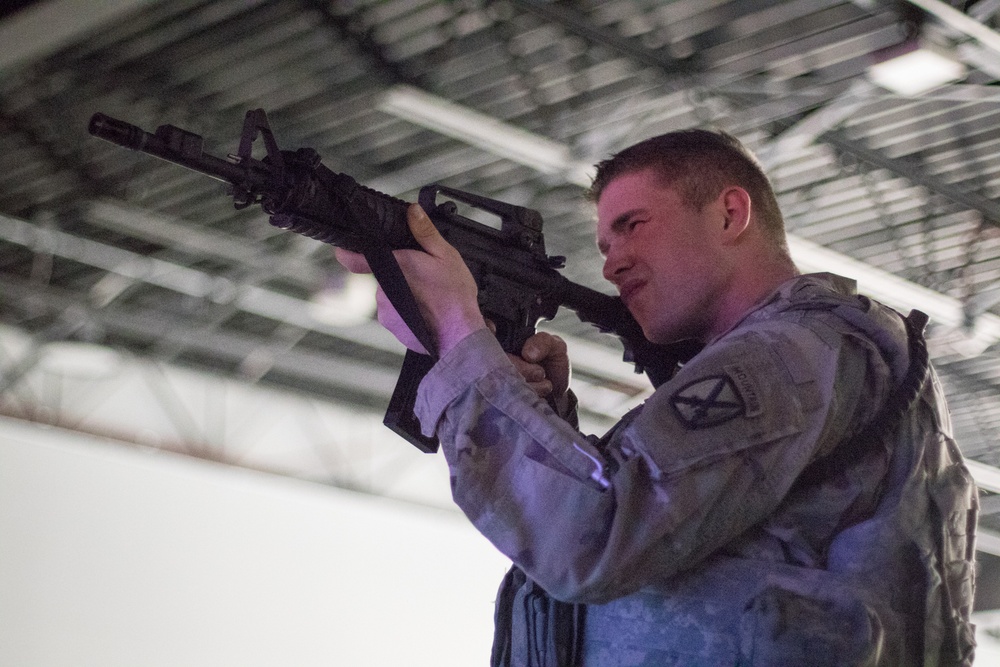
(179, 147)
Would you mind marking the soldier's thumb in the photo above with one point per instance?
(424, 231)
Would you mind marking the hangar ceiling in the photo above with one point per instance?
(105, 246)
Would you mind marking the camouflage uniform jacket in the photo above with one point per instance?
(704, 529)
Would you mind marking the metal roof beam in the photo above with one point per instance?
(344, 27)
(579, 25)
(325, 369)
(46, 27)
(158, 228)
(987, 207)
(961, 22)
(185, 280)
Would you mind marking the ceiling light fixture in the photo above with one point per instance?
(915, 67)
(478, 129)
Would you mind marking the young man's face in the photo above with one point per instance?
(663, 256)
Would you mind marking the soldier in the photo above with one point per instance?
(791, 496)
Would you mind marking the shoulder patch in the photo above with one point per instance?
(707, 402)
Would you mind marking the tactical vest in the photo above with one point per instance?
(897, 589)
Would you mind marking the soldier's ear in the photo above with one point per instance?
(735, 207)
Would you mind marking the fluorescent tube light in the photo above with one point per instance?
(478, 129)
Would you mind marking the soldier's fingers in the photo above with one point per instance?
(543, 346)
(424, 231)
(542, 388)
(530, 372)
(534, 376)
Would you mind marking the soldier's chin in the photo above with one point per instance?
(660, 338)
(665, 335)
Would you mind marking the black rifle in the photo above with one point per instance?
(518, 283)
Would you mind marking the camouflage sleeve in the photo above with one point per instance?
(710, 454)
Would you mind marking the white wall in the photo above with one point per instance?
(111, 556)
(118, 557)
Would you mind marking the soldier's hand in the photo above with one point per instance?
(544, 364)
(440, 281)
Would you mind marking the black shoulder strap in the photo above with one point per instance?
(906, 394)
(889, 416)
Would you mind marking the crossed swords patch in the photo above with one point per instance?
(708, 402)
